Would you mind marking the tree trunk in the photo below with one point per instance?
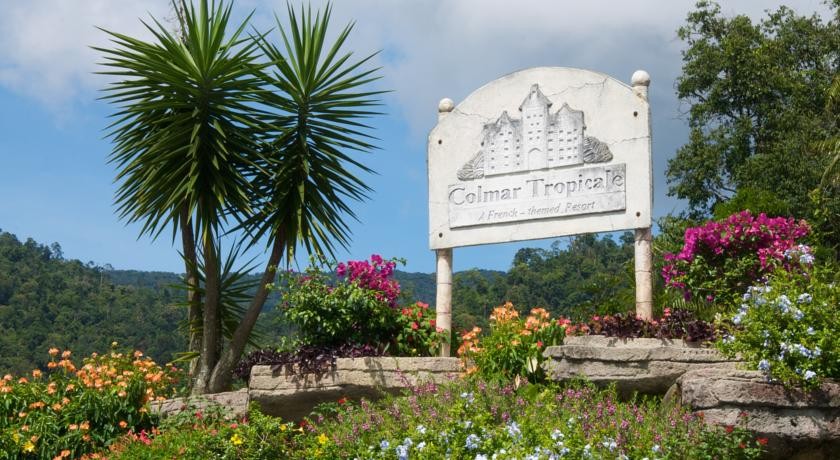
(221, 377)
(193, 294)
(212, 331)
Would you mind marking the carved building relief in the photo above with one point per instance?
(538, 140)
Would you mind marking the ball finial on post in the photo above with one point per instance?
(445, 106)
(640, 81)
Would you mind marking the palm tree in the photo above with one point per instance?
(210, 138)
(302, 186)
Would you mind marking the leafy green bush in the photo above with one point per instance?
(345, 311)
(417, 332)
(513, 347)
(788, 327)
(359, 308)
(463, 419)
(69, 411)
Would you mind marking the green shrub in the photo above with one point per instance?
(417, 332)
(788, 328)
(69, 411)
(514, 346)
(332, 313)
(359, 308)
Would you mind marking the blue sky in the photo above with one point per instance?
(56, 185)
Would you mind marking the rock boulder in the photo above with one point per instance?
(797, 424)
(648, 366)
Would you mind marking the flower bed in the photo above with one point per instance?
(70, 412)
(463, 419)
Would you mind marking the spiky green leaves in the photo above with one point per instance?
(188, 126)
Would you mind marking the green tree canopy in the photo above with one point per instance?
(757, 94)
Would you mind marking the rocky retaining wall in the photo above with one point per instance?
(233, 403)
(798, 425)
(648, 366)
(293, 396)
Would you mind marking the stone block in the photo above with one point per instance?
(635, 365)
(294, 396)
(233, 403)
(797, 424)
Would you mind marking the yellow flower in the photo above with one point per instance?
(284, 427)
(322, 439)
(236, 440)
(29, 446)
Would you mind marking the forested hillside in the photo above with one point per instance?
(47, 301)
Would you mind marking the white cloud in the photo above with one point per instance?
(432, 48)
(45, 44)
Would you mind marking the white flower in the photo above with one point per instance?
(655, 448)
(421, 445)
(472, 442)
(610, 444)
(811, 331)
(784, 303)
(809, 375)
(513, 430)
(480, 457)
(764, 365)
(804, 298)
(384, 444)
(556, 434)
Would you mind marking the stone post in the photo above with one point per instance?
(643, 239)
(443, 298)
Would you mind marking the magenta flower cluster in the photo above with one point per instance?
(760, 241)
(375, 275)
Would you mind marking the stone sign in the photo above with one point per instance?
(541, 153)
